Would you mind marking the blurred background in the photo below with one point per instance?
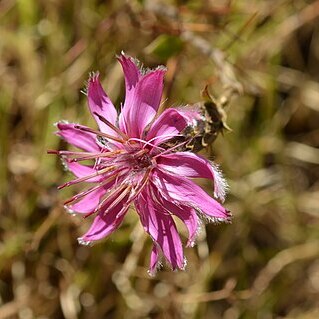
(264, 57)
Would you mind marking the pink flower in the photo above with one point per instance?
(134, 163)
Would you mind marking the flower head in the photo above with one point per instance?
(134, 161)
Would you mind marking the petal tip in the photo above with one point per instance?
(152, 272)
(61, 124)
(190, 243)
(69, 210)
(84, 242)
(122, 55)
(94, 76)
(184, 265)
(124, 58)
(162, 68)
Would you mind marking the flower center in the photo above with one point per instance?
(141, 161)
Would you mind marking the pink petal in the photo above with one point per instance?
(186, 214)
(88, 203)
(186, 192)
(169, 124)
(104, 224)
(192, 165)
(161, 228)
(80, 170)
(143, 96)
(100, 103)
(131, 71)
(132, 75)
(83, 140)
(154, 261)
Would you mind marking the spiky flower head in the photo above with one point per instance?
(133, 162)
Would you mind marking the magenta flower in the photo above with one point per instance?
(134, 163)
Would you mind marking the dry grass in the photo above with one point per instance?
(265, 264)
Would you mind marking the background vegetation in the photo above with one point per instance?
(265, 54)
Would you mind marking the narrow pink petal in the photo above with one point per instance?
(132, 75)
(131, 71)
(154, 261)
(83, 140)
(186, 192)
(100, 103)
(104, 224)
(88, 203)
(169, 124)
(192, 165)
(142, 102)
(161, 227)
(186, 214)
(80, 170)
